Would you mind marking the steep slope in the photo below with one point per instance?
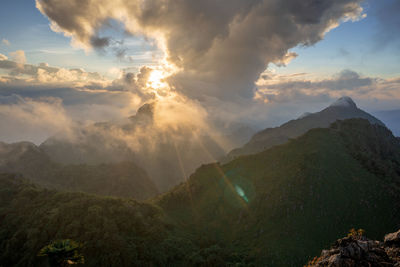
(112, 231)
(31, 217)
(124, 179)
(343, 108)
(283, 205)
(279, 207)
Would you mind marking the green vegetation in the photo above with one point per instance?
(302, 195)
(62, 253)
(112, 231)
(123, 179)
(276, 208)
(356, 234)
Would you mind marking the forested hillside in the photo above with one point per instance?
(284, 204)
(279, 207)
(122, 179)
(112, 231)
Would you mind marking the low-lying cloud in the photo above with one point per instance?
(28, 119)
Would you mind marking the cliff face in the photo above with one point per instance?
(357, 250)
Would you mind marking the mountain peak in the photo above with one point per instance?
(344, 101)
(146, 110)
(144, 113)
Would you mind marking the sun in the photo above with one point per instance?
(156, 80)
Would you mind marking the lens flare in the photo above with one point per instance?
(241, 193)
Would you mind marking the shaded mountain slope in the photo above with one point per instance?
(279, 207)
(283, 205)
(343, 108)
(124, 179)
(30, 217)
(112, 231)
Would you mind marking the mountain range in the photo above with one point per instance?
(168, 155)
(343, 108)
(123, 179)
(161, 160)
(279, 207)
(287, 202)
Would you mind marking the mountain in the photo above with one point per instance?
(343, 108)
(285, 204)
(123, 179)
(112, 231)
(168, 154)
(279, 207)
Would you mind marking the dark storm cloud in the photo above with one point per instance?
(99, 42)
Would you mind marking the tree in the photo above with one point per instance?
(62, 253)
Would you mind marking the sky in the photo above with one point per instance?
(241, 63)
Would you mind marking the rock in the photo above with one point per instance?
(392, 239)
(357, 250)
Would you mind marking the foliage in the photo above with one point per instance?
(299, 197)
(123, 179)
(312, 262)
(62, 253)
(112, 231)
(302, 195)
(356, 234)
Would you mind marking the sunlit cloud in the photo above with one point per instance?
(29, 119)
(19, 57)
(215, 68)
(225, 48)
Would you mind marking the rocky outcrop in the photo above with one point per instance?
(392, 246)
(357, 250)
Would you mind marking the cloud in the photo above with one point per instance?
(86, 96)
(343, 52)
(218, 48)
(286, 59)
(284, 89)
(29, 119)
(45, 74)
(19, 57)
(6, 42)
(344, 80)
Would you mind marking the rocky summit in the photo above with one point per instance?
(357, 250)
